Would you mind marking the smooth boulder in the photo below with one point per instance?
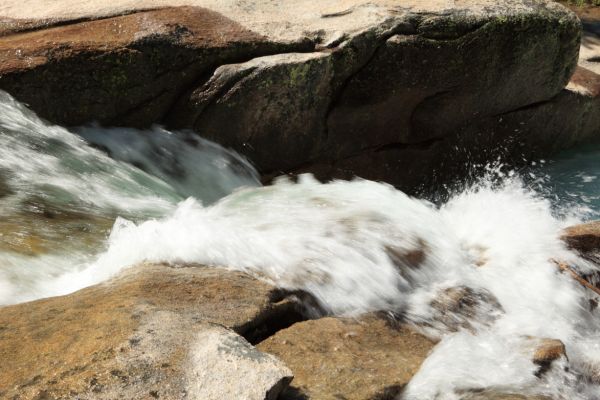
(154, 331)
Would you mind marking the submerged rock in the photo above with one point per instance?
(494, 395)
(463, 307)
(153, 332)
(364, 358)
(379, 89)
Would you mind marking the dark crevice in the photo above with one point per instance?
(389, 393)
(293, 393)
(272, 321)
(286, 308)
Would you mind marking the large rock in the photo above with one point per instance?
(374, 88)
(153, 332)
(335, 358)
(126, 70)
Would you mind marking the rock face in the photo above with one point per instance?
(585, 239)
(334, 358)
(125, 70)
(570, 117)
(153, 332)
(381, 89)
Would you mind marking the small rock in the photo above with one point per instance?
(461, 307)
(545, 352)
(549, 350)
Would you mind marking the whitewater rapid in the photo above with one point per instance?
(356, 246)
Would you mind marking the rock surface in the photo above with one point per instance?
(335, 358)
(381, 89)
(153, 332)
(225, 366)
(548, 350)
(585, 239)
(462, 307)
(493, 395)
(590, 47)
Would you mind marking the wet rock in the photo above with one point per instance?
(546, 352)
(463, 307)
(370, 88)
(585, 239)
(494, 395)
(152, 332)
(360, 358)
(549, 350)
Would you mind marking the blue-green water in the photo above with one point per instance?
(572, 179)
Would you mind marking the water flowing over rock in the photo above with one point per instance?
(153, 332)
(380, 89)
(491, 395)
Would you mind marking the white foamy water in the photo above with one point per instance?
(343, 242)
(361, 246)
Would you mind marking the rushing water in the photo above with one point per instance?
(356, 246)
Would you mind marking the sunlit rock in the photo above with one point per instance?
(153, 332)
(585, 239)
(364, 358)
